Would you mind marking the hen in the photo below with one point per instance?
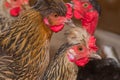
(69, 56)
(104, 69)
(26, 43)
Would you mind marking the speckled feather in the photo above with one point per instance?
(24, 44)
(27, 42)
(60, 68)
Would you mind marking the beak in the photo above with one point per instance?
(94, 56)
(69, 22)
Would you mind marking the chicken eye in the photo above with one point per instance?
(80, 48)
(56, 15)
(85, 5)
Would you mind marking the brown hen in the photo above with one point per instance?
(26, 43)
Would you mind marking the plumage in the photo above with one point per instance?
(96, 5)
(64, 65)
(60, 68)
(104, 69)
(25, 44)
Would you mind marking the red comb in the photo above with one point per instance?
(82, 62)
(69, 11)
(92, 44)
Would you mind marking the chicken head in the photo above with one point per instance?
(88, 13)
(56, 22)
(83, 46)
(15, 6)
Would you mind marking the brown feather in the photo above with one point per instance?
(25, 42)
(60, 68)
(28, 44)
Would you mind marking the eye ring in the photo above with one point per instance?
(85, 5)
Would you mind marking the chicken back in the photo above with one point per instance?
(25, 43)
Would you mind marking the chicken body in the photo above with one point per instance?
(104, 69)
(60, 68)
(25, 44)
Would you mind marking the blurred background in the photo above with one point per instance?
(110, 17)
(107, 33)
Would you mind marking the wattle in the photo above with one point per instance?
(57, 28)
(15, 11)
(69, 13)
(82, 62)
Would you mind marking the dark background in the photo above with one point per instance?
(110, 18)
